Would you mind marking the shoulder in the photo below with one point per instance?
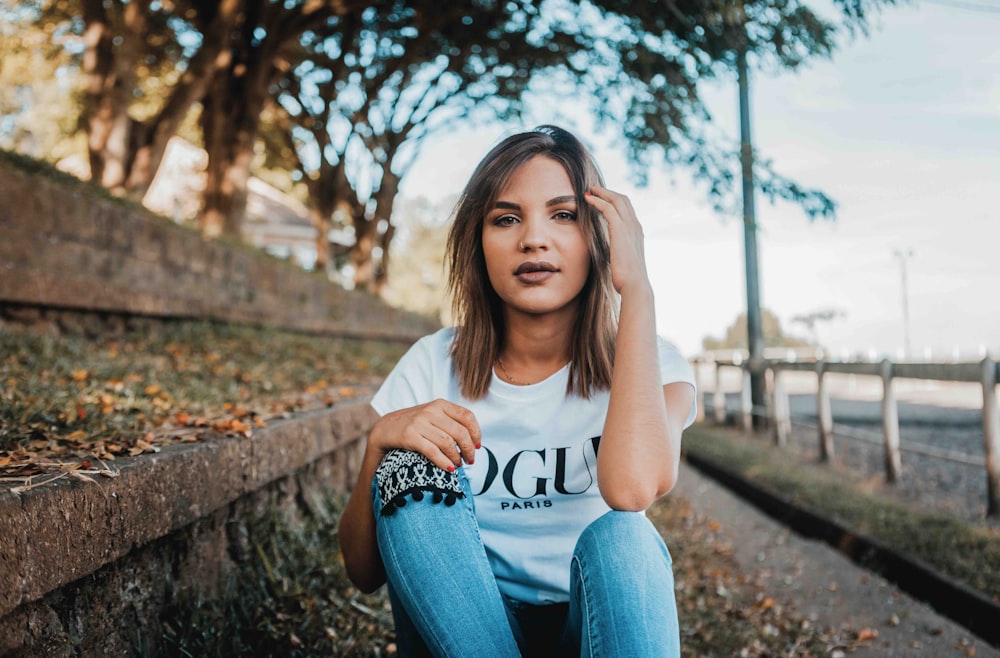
(419, 376)
(436, 345)
(428, 353)
(667, 349)
(674, 366)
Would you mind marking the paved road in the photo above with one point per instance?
(823, 585)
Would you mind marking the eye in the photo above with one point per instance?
(565, 216)
(505, 220)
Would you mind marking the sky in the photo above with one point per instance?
(901, 129)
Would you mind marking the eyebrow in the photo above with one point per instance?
(555, 201)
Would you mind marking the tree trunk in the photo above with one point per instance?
(229, 131)
(110, 72)
(124, 153)
(150, 139)
(382, 273)
(361, 252)
(385, 201)
(367, 235)
(225, 196)
(324, 194)
(323, 223)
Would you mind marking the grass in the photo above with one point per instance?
(965, 551)
(288, 596)
(80, 397)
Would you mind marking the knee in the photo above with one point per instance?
(405, 474)
(617, 533)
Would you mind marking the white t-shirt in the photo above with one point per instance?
(535, 477)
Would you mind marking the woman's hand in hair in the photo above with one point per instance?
(628, 256)
(443, 432)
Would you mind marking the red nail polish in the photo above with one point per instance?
(451, 469)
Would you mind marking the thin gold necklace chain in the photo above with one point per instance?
(507, 374)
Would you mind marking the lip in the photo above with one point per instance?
(531, 266)
(535, 271)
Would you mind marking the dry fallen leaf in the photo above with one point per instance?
(83, 476)
(866, 634)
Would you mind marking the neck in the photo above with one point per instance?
(536, 346)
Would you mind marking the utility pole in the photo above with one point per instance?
(904, 256)
(755, 333)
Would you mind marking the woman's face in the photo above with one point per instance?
(536, 252)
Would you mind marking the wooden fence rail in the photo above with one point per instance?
(986, 373)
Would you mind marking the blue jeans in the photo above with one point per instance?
(446, 602)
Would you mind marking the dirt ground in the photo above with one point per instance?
(823, 585)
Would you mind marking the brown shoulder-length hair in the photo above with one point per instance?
(478, 310)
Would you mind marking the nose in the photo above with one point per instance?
(534, 235)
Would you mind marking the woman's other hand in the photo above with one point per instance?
(628, 256)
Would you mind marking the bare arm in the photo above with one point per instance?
(443, 432)
(641, 441)
(356, 532)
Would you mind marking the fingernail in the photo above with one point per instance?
(451, 469)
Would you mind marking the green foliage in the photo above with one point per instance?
(367, 84)
(287, 596)
(735, 337)
(642, 63)
(39, 79)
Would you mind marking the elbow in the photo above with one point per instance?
(366, 580)
(629, 503)
(637, 496)
(365, 571)
(668, 481)
(366, 585)
(631, 499)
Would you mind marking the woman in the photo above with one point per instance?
(483, 498)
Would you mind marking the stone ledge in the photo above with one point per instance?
(68, 247)
(60, 532)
